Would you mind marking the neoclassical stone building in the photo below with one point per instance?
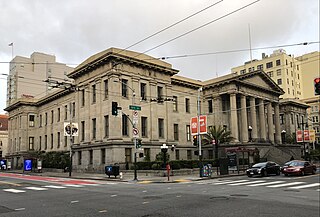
(248, 105)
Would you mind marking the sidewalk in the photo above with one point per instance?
(127, 176)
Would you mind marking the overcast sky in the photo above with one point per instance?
(73, 30)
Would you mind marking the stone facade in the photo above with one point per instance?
(244, 104)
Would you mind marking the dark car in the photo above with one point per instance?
(264, 169)
(298, 167)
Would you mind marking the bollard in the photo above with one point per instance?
(120, 175)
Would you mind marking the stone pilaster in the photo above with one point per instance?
(277, 123)
(244, 119)
(270, 122)
(262, 120)
(253, 116)
(234, 117)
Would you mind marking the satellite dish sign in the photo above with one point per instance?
(71, 129)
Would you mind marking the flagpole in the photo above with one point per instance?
(11, 45)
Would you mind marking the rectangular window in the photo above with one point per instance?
(128, 155)
(175, 103)
(160, 94)
(65, 141)
(106, 126)
(94, 128)
(281, 118)
(79, 157)
(94, 94)
(82, 131)
(106, 91)
(103, 156)
(278, 72)
(188, 133)
(51, 143)
(279, 81)
(288, 81)
(66, 112)
(90, 157)
(278, 62)
(40, 121)
(125, 130)
(187, 105)
(31, 143)
(82, 98)
(269, 65)
(40, 143)
(58, 140)
(52, 117)
(177, 155)
(73, 109)
(292, 120)
(260, 67)
(143, 91)
(270, 73)
(124, 87)
(176, 132)
(189, 155)
(144, 127)
(45, 142)
(31, 120)
(210, 108)
(58, 115)
(160, 127)
(46, 119)
(243, 71)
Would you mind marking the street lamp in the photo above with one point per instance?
(283, 136)
(164, 150)
(133, 127)
(250, 133)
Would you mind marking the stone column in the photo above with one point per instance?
(244, 119)
(262, 120)
(277, 123)
(270, 122)
(233, 117)
(153, 122)
(253, 115)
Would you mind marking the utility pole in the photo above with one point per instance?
(198, 125)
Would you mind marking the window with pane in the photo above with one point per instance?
(281, 118)
(40, 143)
(40, 121)
(128, 155)
(269, 65)
(73, 109)
(143, 91)
(188, 133)
(106, 126)
(58, 115)
(175, 103)
(160, 94)
(90, 156)
(31, 143)
(52, 114)
(45, 142)
(161, 127)
(82, 131)
(279, 81)
(243, 71)
(58, 140)
(82, 95)
(106, 91)
(94, 128)
(278, 72)
(176, 132)
(94, 94)
(278, 62)
(210, 108)
(31, 120)
(187, 104)
(125, 125)
(65, 112)
(124, 87)
(51, 139)
(177, 155)
(65, 141)
(79, 157)
(46, 119)
(103, 156)
(260, 67)
(144, 127)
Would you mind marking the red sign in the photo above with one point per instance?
(306, 137)
(299, 136)
(202, 123)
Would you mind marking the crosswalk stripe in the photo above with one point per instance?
(229, 182)
(306, 186)
(285, 184)
(245, 183)
(54, 186)
(266, 183)
(13, 190)
(36, 188)
(76, 186)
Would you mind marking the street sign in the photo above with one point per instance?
(299, 136)
(135, 132)
(306, 137)
(202, 123)
(135, 107)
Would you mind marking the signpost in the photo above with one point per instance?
(135, 107)
(202, 123)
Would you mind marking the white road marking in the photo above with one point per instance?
(114, 195)
(178, 196)
(102, 211)
(11, 190)
(76, 186)
(306, 186)
(229, 182)
(145, 202)
(19, 209)
(54, 186)
(266, 183)
(285, 184)
(74, 201)
(245, 183)
(36, 188)
(144, 191)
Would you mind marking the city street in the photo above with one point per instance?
(231, 196)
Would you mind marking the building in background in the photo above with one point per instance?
(3, 135)
(28, 77)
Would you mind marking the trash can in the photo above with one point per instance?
(112, 170)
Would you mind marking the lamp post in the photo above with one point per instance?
(250, 133)
(283, 136)
(133, 127)
(164, 150)
(198, 125)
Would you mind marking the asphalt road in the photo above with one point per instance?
(233, 196)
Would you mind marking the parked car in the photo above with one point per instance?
(286, 165)
(299, 167)
(264, 169)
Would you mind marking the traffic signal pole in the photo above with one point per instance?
(198, 125)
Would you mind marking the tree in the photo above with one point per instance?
(219, 134)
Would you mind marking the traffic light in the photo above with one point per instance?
(195, 140)
(114, 108)
(317, 86)
(138, 143)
